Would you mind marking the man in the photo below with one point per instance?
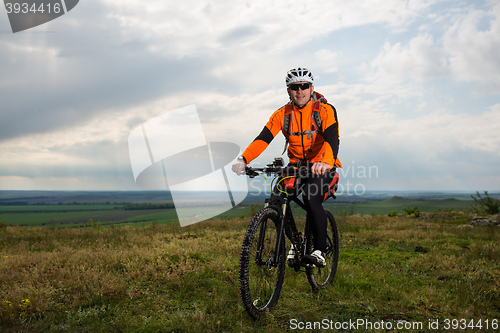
(310, 126)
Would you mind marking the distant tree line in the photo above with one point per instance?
(14, 203)
(43, 203)
(148, 205)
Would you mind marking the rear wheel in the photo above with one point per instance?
(261, 279)
(320, 278)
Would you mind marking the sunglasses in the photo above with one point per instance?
(302, 86)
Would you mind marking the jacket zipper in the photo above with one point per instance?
(302, 138)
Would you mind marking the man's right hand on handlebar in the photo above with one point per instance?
(239, 166)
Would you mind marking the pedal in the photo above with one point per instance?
(309, 261)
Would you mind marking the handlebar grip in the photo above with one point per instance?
(250, 172)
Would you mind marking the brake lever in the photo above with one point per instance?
(250, 173)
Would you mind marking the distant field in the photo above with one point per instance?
(35, 217)
(397, 203)
(56, 208)
(74, 215)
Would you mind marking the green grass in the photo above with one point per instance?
(379, 207)
(57, 208)
(33, 219)
(164, 278)
(79, 215)
(64, 215)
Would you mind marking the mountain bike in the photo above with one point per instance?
(263, 259)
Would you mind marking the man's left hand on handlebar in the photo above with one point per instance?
(319, 168)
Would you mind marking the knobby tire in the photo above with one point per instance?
(320, 278)
(260, 285)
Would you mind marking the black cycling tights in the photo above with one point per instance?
(314, 191)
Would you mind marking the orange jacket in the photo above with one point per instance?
(322, 146)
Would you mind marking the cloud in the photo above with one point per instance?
(200, 26)
(419, 60)
(472, 44)
(437, 138)
(466, 51)
(328, 59)
(440, 150)
(444, 131)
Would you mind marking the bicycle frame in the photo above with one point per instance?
(281, 204)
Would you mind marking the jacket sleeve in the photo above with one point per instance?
(331, 136)
(260, 143)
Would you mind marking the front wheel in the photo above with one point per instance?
(320, 278)
(261, 279)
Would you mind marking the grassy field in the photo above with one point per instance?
(419, 273)
(80, 215)
(399, 204)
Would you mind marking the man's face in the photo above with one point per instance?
(299, 94)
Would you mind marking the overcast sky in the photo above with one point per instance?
(416, 84)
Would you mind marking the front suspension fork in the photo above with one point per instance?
(281, 234)
(280, 238)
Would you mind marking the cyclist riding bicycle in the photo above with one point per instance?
(310, 126)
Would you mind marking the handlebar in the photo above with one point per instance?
(276, 167)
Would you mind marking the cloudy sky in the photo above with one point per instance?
(416, 84)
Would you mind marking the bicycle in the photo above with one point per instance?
(262, 261)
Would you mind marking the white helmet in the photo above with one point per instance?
(300, 74)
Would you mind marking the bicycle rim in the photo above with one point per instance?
(260, 284)
(320, 278)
